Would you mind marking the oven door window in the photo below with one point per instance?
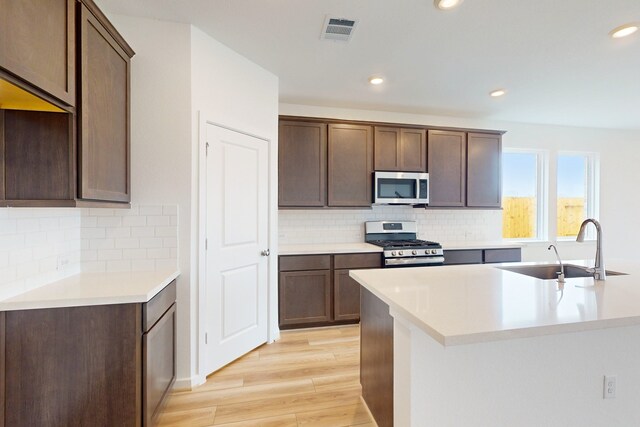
(396, 188)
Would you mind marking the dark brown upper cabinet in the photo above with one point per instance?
(37, 45)
(302, 164)
(400, 149)
(484, 183)
(447, 168)
(103, 113)
(350, 165)
(57, 149)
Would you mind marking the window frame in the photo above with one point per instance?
(542, 185)
(592, 197)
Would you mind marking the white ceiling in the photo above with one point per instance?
(554, 57)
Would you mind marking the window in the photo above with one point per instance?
(577, 191)
(523, 194)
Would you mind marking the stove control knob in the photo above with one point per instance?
(400, 253)
(426, 251)
(393, 253)
(434, 251)
(414, 252)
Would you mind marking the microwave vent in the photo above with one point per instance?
(338, 29)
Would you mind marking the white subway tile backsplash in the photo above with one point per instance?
(151, 210)
(141, 238)
(337, 226)
(143, 231)
(41, 245)
(134, 221)
(109, 221)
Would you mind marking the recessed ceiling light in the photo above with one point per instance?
(376, 80)
(447, 4)
(498, 92)
(624, 31)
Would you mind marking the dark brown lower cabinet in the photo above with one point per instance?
(316, 290)
(83, 366)
(376, 357)
(305, 297)
(482, 256)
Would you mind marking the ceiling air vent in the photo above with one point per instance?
(338, 29)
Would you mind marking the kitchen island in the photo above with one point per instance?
(475, 345)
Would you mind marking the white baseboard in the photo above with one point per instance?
(188, 383)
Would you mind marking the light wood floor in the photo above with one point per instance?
(308, 378)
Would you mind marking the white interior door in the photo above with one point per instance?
(236, 274)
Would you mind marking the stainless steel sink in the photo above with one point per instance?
(550, 271)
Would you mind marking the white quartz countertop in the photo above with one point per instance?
(93, 289)
(336, 248)
(479, 303)
(328, 248)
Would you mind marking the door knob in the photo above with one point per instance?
(266, 252)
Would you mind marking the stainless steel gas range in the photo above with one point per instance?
(401, 246)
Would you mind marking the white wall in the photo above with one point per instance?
(161, 147)
(234, 92)
(619, 156)
(177, 73)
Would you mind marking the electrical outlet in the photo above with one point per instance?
(609, 387)
(63, 261)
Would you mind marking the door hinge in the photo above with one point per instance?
(206, 244)
(206, 338)
(206, 150)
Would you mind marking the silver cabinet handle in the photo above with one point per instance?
(266, 252)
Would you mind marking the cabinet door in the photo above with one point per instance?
(399, 149)
(413, 150)
(350, 165)
(37, 44)
(159, 365)
(302, 164)
(484, 184)
(103, 134)
(305, 297)
(387, 149)
(73, 366)
(447, 160)
(346, 297)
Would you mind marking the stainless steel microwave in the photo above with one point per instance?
(401, 188)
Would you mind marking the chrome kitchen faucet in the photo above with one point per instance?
(598, 269)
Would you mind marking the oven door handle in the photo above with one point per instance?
(415, 261)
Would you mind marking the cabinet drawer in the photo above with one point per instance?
(467, 256)
(154, 309)
(305, 262)
(350, 261)
(502, 255)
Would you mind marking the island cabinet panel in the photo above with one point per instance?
(73, 366)
(350, 165)
(484, 184)
(37, 44)
(400, 149)
(103, 131)
(302, 164)
(376, 357)
(305, 297)
(447, 165)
